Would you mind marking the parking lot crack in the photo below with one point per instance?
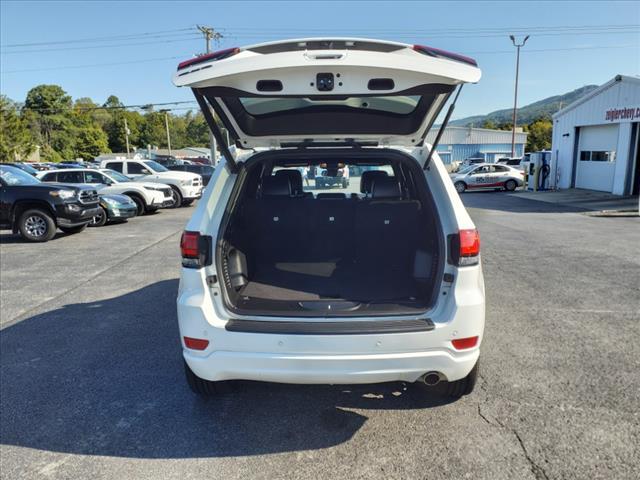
(537, 470)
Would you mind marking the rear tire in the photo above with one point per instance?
(36, 226)
(460, 187)
(204, 388)
(99, 220)
(177, 197)
(72, 230)
(465, 385)
(510, 185)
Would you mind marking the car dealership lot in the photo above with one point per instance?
(92, 382)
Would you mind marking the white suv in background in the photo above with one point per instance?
(185, 186)
(285, 284)
(147, 196)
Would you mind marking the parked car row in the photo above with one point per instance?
(73, 198)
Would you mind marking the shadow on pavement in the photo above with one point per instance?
(106, 378)
(11, 238)
(509, 202)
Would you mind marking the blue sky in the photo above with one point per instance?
(562, 54)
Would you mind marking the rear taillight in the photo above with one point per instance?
(464, 343)
(195, 250)
(195, 343)
(464, 248)
(219, 55)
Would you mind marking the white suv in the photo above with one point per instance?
(281, 283)
(147, 196)
(185, 186)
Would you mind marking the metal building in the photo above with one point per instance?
(595, 139)
(459, 143)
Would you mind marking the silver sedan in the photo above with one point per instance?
(488, 176)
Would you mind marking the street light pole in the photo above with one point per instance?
(515, 96)
(127, 132)
(166, 124)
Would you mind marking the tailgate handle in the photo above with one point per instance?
(324, 56)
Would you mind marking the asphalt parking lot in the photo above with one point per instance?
(92, 383)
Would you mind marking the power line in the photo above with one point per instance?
(189, 38)
(143, 106)
(98, 39)
(161, 59)
(428, 35)
(446, 29)
(130, 62)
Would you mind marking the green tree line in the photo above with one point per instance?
(65, 129)
(539, 131)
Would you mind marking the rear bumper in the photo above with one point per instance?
(334, 369)
(334, 359)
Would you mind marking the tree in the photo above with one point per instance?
(153, 130)
(490, 124)
(48, 99)
(539, 137)
(48, 108)
(16, 140)
(197, 132)
(90, 141)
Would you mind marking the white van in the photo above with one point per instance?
(284, 283)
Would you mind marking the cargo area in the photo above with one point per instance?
(290, 248)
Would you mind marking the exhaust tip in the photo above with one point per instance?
(431, 378)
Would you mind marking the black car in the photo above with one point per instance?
(205, 171)
(36, 209)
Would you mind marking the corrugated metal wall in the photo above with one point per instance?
(491, 151)
(468, 135)
(465, 142)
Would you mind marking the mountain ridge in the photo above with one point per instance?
(539, 109)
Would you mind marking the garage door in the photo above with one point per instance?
(597, 157)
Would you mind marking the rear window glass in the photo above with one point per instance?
(70, 177)
(340, 178)
(399, 104)
(117, 166)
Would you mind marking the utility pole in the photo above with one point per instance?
(210, 34)
(515, 97)
(166, 124)
(127, 132)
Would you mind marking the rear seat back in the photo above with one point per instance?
(381, 231)
(387, 227)
(275, 219)
(331, 221)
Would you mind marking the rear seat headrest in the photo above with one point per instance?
(367, 179)
(276, 186)
(385, 187)
(295, 179)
